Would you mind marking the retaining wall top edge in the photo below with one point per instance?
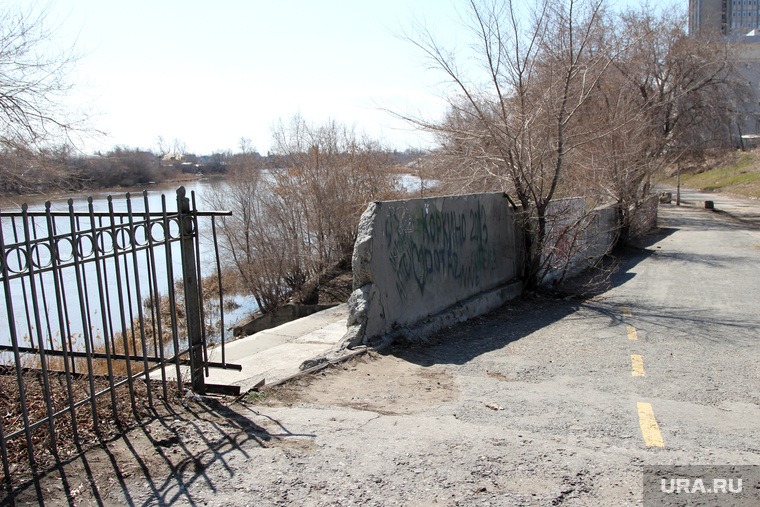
(448, 196)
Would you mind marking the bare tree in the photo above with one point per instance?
(668, 96)
(247, 246)
(35, 123)
(34, 80)
(512, 121)
(558, 99)
(292, 223)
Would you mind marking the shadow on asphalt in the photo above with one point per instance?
(117, 462)
(523, 316)
(746, 221)
(167, 462)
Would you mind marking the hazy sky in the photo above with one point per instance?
(208, 73)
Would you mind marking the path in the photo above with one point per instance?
(542, 402)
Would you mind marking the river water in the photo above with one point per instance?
(22, 294)
(242, 305)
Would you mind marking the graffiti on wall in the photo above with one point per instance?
(428, 246)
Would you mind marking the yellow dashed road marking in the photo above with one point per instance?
(649, 427)
(637, 362)
(626, 311)
(632, 334)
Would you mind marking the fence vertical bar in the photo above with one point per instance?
(158, 330)
(138, 296)
(120, 296)
(83, 287)
(42, 285)
(200, 280)
(104, 310)
(38, 324)
(219, 279)
(108, 329)
(82, 307)
(61, 298)
(124, 228)
(16, 352)
(189, 276)
(16, 240)
(170, 284)
(54, 260)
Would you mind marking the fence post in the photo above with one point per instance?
(192, 302)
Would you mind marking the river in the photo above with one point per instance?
(137, 273)
(202, 188)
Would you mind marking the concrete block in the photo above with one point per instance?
(417, 257)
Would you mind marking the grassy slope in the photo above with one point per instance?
(740, 176)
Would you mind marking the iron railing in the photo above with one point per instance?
(91, 297)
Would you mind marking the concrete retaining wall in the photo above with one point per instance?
(646, 217)
(577, 238)
(416, 258)
(423, 264)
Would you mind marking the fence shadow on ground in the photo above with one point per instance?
(157, 462)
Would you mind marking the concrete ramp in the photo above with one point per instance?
(277, 353)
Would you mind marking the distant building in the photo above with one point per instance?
(746, 50)
(742, 15)
(728, 17)
(172, 158)
(739, 20)
(709, 15)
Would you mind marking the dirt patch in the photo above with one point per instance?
(75, 430)
(337, 290)
(383, 384)
(179, 441)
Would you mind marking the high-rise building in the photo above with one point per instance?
(728, 17)
(739, 21)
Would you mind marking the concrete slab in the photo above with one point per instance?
(269, 365)
(330, 334)
(301, 327)
(277, 353)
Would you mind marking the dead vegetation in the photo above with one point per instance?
(75, 431)
(294, 225)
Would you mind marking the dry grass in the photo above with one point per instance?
(72, 435)
(738, 174)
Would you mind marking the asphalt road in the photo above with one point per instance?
(544, 402)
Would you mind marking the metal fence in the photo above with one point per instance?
(98, 305)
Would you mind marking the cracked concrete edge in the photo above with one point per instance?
(319, 365)
(360, 259)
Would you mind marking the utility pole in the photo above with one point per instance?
(678, 186)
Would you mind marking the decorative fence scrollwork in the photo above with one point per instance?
(110, 296)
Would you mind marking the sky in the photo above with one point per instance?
(208, 74)
(211, 73)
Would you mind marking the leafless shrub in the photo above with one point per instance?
(573, 100)
(290, 223)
